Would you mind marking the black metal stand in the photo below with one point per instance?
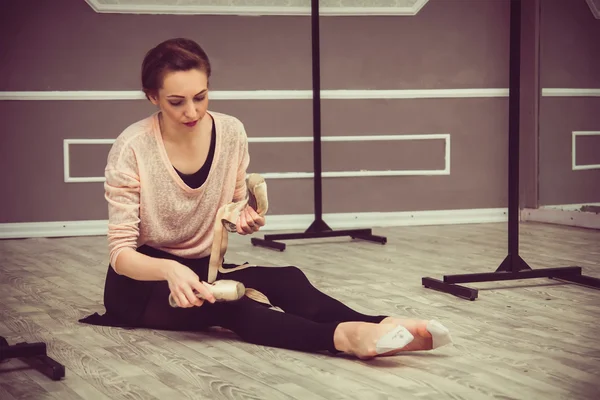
(319, 228)
(513, 267)
(35, 355)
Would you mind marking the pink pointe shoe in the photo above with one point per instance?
(223, 290)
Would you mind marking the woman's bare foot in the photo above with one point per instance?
(367, 340)
(422, 331)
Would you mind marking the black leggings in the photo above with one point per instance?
(308, 322)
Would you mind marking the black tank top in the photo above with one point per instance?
(196, 179)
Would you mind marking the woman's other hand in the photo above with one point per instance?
(183, 282)
(249, 221)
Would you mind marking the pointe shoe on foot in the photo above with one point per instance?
(439, 333)
(368, 340)
(396, 339)
(428, 335)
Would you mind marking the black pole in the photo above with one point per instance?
(514, 132)
(513, 267)
(318, 228)
(316, 79)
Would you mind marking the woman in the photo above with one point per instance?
(166, 177)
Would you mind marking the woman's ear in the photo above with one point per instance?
(152, 97)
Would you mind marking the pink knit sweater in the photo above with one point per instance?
(148, 203)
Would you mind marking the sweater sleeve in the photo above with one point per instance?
(122, 192)
(244, 157)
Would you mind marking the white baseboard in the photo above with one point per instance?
(22, 230)
(562, 217)
(568, 207)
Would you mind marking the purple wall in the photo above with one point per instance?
(450, 44)
(569, 58)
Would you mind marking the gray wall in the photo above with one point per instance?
(65, 45)
(569, 58)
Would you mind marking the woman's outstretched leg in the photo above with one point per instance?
(256, 323)
(289, 288)
(312, 320)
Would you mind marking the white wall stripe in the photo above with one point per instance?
(571, 92)
(261, 94)
(575, 166)
(284, 139)
(296, 94)
(356, 174)
(292, 175)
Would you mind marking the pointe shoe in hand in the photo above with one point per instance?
(223, 290)
(256, 197)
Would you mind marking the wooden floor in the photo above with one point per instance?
(535, 339)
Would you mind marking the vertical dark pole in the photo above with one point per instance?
(513, 133)
(513, 267)
(318, 228)
(316, 78)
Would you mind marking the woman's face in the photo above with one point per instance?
(183, 99)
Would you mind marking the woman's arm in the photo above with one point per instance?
(122, 192)
(181, 279)
(141, 267)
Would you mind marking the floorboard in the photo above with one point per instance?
(528, 339)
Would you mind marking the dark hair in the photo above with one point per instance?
(178, 54)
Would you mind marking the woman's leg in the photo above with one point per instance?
(160, 315)
(286, 287)
(289, 288)
(311, 321)
(253, 322)
(256, 323)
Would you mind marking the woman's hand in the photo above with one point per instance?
(183, 282)
(249, 221)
